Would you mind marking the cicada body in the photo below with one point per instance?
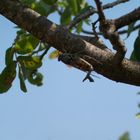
(75, 61)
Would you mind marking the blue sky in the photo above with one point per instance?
(64, 108)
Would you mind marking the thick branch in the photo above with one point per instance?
(62, 40)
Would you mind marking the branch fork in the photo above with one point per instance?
(108, 28)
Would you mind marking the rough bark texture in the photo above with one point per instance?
(61, 39)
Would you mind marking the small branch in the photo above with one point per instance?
(125, 31)
(119, 32)
(100, 10)
(127, 19)
(92, 11)
(45, 52)
(90, 32)
(107, 27)
(109, 32)
(117, 2)
(81, 17)
(94, 27)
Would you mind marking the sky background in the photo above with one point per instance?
(65, 108)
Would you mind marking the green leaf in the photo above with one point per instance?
(130, 29)
(42, 46)
(125, 136)
(87, 21)
(133, 56)
(137, 48)
(54, 54)
(20, 32)
(76, 5)
(66, 16)
(50, 2)
(82, 4)
(4, 88)
(35, 78)
(138, 115)
(79, 27)
(138, 105)
(73, 5)
(28, 2)
(9, 55)
(30, 62)
(62, 4)
(43, 8)
(136, 52)
(22, 80)
(25, 44)
(85, 9)
(7, 77)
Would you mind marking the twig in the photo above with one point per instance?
(90, 32)
(45, 52)
(125, 31)
(100, 10)
(92, 11)
(81, 17)
(119, 32)
(94, 27)
(117, 2)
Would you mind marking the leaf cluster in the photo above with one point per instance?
(24, 58)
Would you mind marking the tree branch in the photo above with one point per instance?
(119, 32)
(107, 27)
(126, 31)
(100, 10)
(127, 19)
(117, 2)
(62, 40)
(92, 11)
(81, 17)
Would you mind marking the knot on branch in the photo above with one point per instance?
(107, 27)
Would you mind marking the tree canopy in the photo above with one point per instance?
(73, 44)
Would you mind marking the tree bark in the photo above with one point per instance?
(61, 39)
